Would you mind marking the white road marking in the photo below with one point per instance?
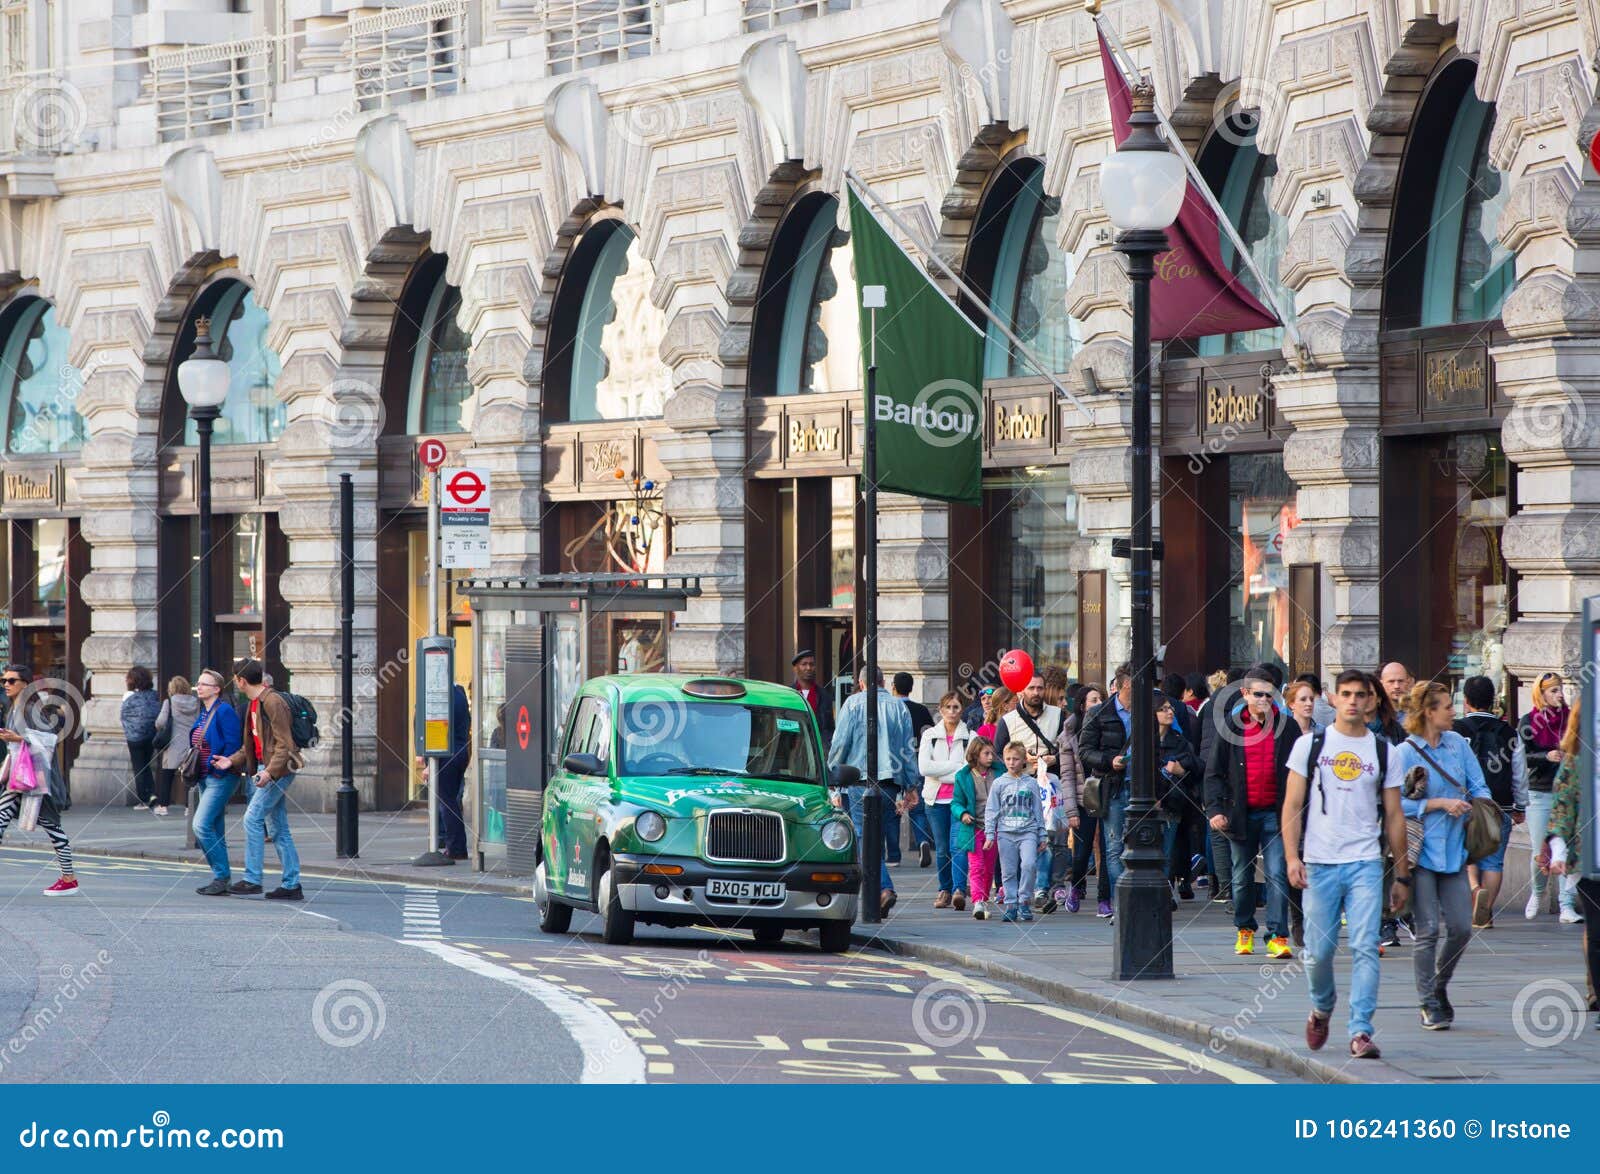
(420, 916)
(609, 1056)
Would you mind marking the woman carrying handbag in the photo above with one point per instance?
(34, 780)
(1437, 766)
(216, 731)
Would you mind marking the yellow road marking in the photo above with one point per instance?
(659, 1068)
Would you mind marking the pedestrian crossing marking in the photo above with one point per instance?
(653, 1049)
(602, 1002)
(659, 1068)
(621, 1016)
(640, 1032)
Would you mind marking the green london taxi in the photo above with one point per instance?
(695, 800)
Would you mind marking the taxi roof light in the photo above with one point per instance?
(713, 687)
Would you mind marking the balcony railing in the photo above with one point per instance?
(760, 15)
(409, 54)
(597, 32)
(40, 114)
(213, 89)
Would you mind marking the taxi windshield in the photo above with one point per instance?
(674, 736)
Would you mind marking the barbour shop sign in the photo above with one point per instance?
(810, 436)
(1018, 424)
(1228, 406)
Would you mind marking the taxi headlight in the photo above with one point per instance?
(836, 835)
(650, 827)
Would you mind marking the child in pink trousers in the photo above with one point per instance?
(966, 828)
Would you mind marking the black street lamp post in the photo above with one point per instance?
(203, 379)
(1142, 186)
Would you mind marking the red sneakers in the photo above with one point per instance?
(64, 887)
(1316, 1031)
(1362, 1047)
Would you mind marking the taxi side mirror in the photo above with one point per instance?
(845, 775)
(583, 764)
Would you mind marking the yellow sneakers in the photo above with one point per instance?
(1246, 943)
(1279, 948)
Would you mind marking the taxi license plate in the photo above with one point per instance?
(740, 890)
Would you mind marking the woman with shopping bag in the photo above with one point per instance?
(31, 786)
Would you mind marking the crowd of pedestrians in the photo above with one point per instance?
(1375, 808)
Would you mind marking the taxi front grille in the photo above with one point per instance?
(749, 837)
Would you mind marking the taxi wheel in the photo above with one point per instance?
(767, 933)
(554, 917)
(835, 936)
(616, 923)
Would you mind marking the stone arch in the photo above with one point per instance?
(993, 147)
(585, 213)
(193, 277)
(787, 183)
(369, 321)
(1406, 76)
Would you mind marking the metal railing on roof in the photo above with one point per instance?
(587, 33)
(213, 89)
(409, 54)
(760, 15)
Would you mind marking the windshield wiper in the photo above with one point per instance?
(709, 770)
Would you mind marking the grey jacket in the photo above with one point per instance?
(180, 711)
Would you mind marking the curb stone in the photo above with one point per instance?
(483, 882)
(1209, 1037)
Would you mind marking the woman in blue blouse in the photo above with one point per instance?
(216, 731)
(1437, 766)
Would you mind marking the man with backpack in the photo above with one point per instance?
(1339, 794)
(268, 759)
(1499, 752)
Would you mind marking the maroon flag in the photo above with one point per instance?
(1193, 292)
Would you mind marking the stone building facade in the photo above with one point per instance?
(318, 154)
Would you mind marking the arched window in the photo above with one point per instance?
(1445, 260)
(440, 389)
(808, 303)
(1016, 260)
(40, 385)
(1243, 180)
(603, 361)
(252, 413)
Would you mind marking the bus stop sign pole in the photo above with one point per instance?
(434, 652)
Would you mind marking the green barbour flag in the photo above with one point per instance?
(929, 403)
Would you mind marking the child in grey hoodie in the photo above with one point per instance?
(1014, 818)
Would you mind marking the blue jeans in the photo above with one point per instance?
(1116, 826)
(210, 819)
(269, 804)
(952, 866)
(922, 826)
(1354, 890)
(1260, 835)
(858, 817)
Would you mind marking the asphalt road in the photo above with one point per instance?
(137, 979)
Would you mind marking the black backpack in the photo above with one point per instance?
(303, 720)
(1493, 741)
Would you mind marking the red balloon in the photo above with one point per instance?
(1016, 670)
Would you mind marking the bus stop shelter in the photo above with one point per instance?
(535, 642)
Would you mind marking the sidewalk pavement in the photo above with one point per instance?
(389, 841)
(1519, 991)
